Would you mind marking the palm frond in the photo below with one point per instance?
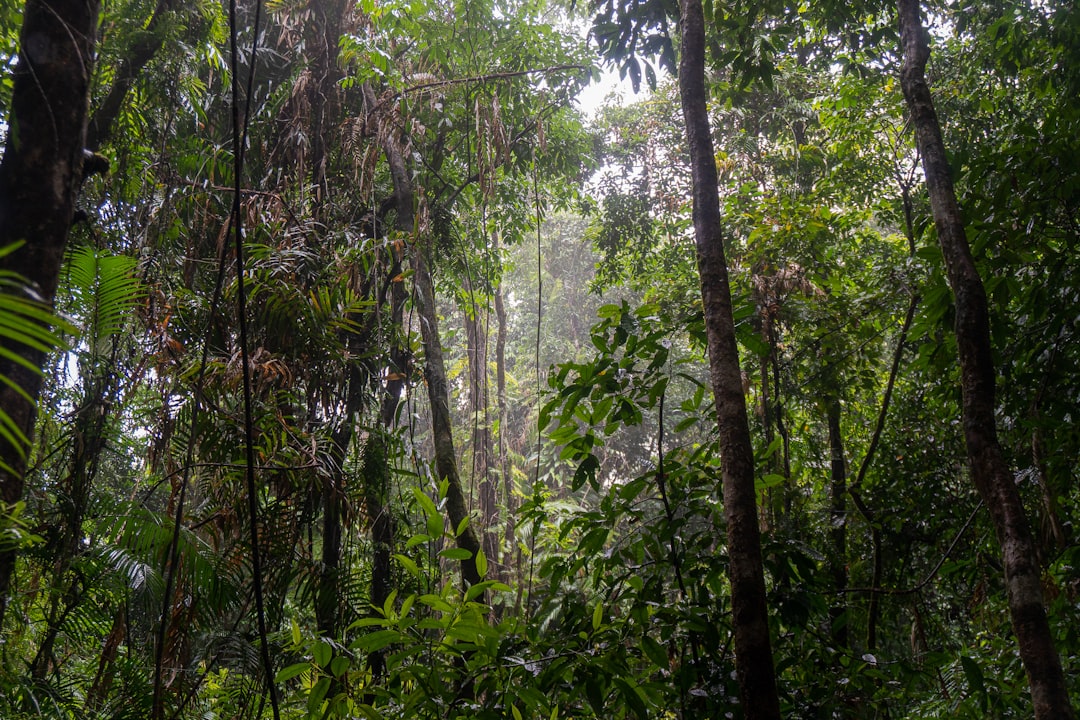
(105, 291)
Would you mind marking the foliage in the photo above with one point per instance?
(571, 325)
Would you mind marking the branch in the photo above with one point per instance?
(933, 573)
(148, 44)
(487, 77)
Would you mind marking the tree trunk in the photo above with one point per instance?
(446, 466)
(482, 441)
(837, 524)
(753, 655)
(989, 470)
(504, 456)
(322, 32)
(39, 178)
(327, 593)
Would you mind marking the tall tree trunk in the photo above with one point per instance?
(989, 470)
(837, 524)
(89, 442)
(327, 593)
(322, 32)
(376, 466)
(753, 655)
(39, 178)
(446, 465)
(504, 455)
(476, 355)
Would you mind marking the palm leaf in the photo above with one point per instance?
(105, 291)
(27, 321)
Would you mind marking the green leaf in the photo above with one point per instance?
(377, 640)
(436, 603)
(598, 616)
(288, 673)
(481, 563)
(633, 695)
(321, 653)
(339, 666)
(408, 563)
(426, 503)
(318, 694)
(975, 679)
(369, 712)
(455, 554)
(406, 605)
(655, 652)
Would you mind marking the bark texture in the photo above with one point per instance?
(989, 470)
(837, 523)
(483, 441)
(446, 465)
(753, 654)
(39, 178)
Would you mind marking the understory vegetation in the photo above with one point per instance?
(409, 409)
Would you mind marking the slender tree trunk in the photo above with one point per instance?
(504, 456)
(482, 442)
(39, 178)
(989, 470)
(753, 655)
(99, 689)
(327, 594)
(322, 32)
(837, 524)
(446, 465)
(88, 445)
(376, 464)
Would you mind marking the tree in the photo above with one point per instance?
(42, 169)
(989, 470)
(753, 655)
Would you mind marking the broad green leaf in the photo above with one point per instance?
(481, 563)
(288, 673)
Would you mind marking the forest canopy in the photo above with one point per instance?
(350, 367)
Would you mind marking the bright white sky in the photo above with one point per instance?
(593, 96)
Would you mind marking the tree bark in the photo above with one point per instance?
(322, 33)
(446, 466)
(837, 524)
(39, 178)
(989, 470)
(476, 354)
(753, 654)
(504, 456)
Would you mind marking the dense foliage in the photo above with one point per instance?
(471, 382)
